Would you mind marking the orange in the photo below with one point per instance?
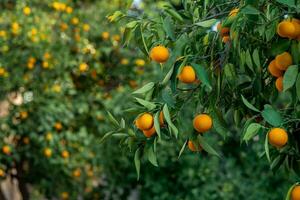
(283, 61)
(6, 149)
(105, 35)
(274, 71)
(64, 195)
(149, 133)
(77, 173)
(286, 29)
(58, 126)
(295, 195)
(145, 121)
(161, 118)
(47, 152)
(225, 39)
(2, 173)
(65, 154)
(159, 54)
(49, 136)
(26, 140)
(296, 24)
(279, 83)
(192, 146)
(202, 123)
(278, 137)
(23, 114)
(26, 10)
(187, 75)
(223, 30)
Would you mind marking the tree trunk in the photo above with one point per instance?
(21, 182)
(2, 197)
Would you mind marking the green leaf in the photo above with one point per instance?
(112, 119)
(174, 14)
(249, 60)
(207, 23)
(137, 162)
(290, 77)
(219, 124)
(290, 3)
(271, 116)
(267, 147)
(251, 131)
(168, 26)
(298, 87)
(149, 105)
(106, 135)
(202, 75)
(156, 124)
(255, 57)
(248, 104)
(169, 121)
(250, 10)
(206, 146)
(144, 89)
(116, 16)
(182, 148)
(152, 156)
(167, 77)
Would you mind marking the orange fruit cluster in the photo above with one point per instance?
(145, 123)
(289, 29)
(224, 33)
(278, 66)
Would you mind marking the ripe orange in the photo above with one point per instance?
(77, 173)
(278, 137)
(279, 83)
(145, 121)
(296, 24)
(295, 195)
(224, 31)
(2, 173)
(49, 136)
(161, 118)
(202, 123)
(105, 35)
(26, 140)
(64, 195)
(192, 146)
(6, 149)
(286, 29)
(187, 75)
(58, 126)
(283, 61)
(149, 133)
(225, 39)
(47, 152)
(65, 154)
(26, 10)
(274, 71)
(159, 54)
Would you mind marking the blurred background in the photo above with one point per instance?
(62, 66)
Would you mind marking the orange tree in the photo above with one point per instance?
(59, 66)
(226, 67)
